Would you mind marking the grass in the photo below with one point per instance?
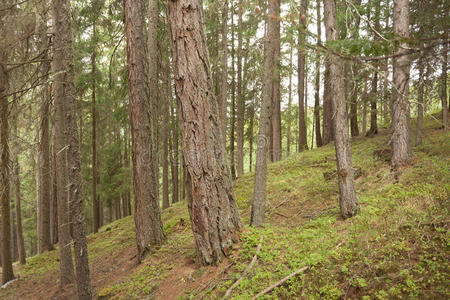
(396, 247)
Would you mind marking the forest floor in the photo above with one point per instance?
(396, 247)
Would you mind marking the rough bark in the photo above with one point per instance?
(276, 93)
(327, 114)
(58, 67)
(444, 82)
(165, 134)
(233, 103)
(64, 87)
(259, 192)
(7, 270)
(348, 201)
(18, 196)
(240, 98)
(147, 217)
(211, 202)
(95, 197)
(373, 106)
(401, 140)
(302, 140)
(44, 170)
(224, 83)
(317, 81)
(419, 124)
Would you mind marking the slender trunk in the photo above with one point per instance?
(18, 196)
(354, 104)
(95, 197)
(174, 147)
(288, 116)
(259, 193)
(317, 81)
(7, 270)
(327, 114)
(240, 98)
(147, 217)
(165, 135)
(251, 137)
(233, 102)
(211, 201)
(276, 98)
(444, 81)
(302, 128)
(373, 106)
(420, 102)
(348, 201)
(224, 87)
(64, 88)
(364, 110)
(54, 207)
(401, 139)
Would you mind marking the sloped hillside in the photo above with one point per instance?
(396, 247)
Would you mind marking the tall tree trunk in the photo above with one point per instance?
(7, 270)
(259, 193)
(288, 115)
(95, 197)
(373, 106)
(165, 134)
(302, 140)
(64, 87)
(276, 98)
(348, 201)
(18, 196)
(444, 81)
(317, 80)
(233, 101)
(54, 207)
(364, 109)
(224, 87)
(240, 98)
(211, 201)
(44, 145)
(420, 102)
(401, 139)
(327, 132)
(147, 217)
(174, 147)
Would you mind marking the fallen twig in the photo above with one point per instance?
(270, 288)
(230, 289)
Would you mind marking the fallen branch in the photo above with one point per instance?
(249, 267)
(270, 288)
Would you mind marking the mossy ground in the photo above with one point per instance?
(396, 247)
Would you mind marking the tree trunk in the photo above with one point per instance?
(259, 193)
(276, 98)
(165, 134)
(147, 217)
(18, 196)
(444, 81)
(233, 102)
(302, 140)
(54, 205)
(373, 106)
(224, 88)
(211, 201)
(240, 98)
(44, 171)
(348, 202)
(401, 139)
(420, 102)
(354, 104)
(364, 109)
(7, 270)
(288, 115)
(95, 197)
(64, 87)
(317, 81)
(327, 132)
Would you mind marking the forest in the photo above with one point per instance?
(224, 149)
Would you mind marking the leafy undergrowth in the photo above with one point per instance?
(396, 247)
